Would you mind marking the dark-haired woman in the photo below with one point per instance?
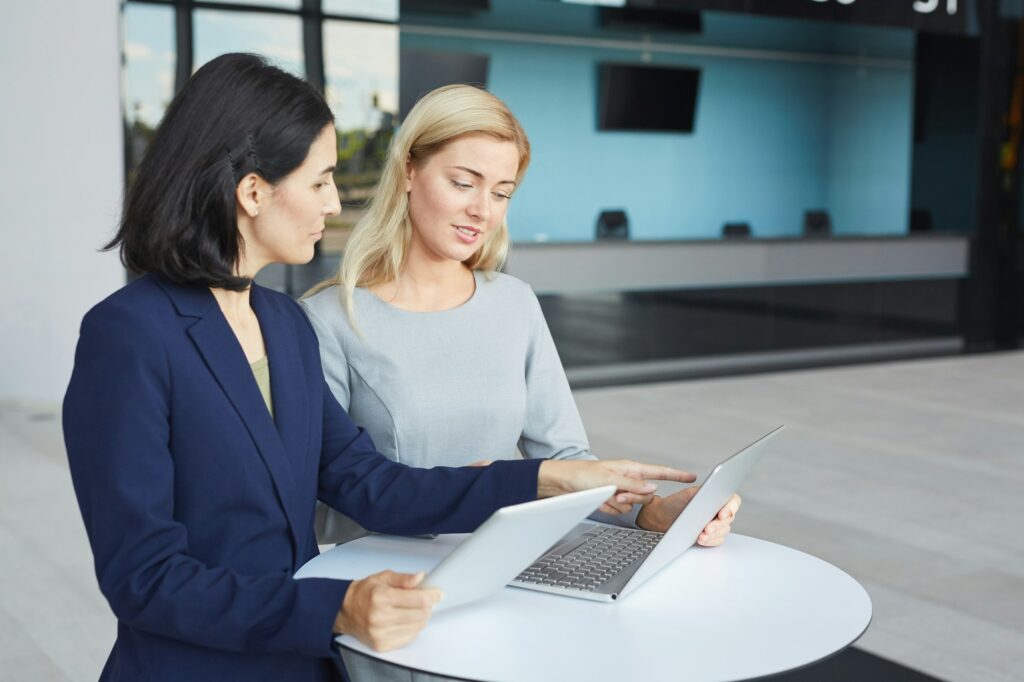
(198, 426)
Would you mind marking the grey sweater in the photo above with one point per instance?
(480, 381)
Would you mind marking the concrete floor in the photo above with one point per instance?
(906, 475)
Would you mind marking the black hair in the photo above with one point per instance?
(236, 115)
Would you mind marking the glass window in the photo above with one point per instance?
(149, 62)
(275, 36)
(385, 10)
(361, 76)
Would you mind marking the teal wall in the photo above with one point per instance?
(870, 146)
(773, 137)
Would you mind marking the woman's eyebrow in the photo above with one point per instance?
(329, 169)
(481, 175)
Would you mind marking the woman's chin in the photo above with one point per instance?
(462, 252)
(300, 257)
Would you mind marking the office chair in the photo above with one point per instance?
(817, 224)
(736, 230)
(613, 224)
(921, 220)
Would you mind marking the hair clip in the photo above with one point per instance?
(252, 151)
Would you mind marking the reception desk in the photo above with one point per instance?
(623, 311)
(623, 266)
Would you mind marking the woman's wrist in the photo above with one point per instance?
(339, 622)
(647, 517)
(341, 625)
(551, 478)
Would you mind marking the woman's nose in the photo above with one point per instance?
(334, 207)
(481, 208)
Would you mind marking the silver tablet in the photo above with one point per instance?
(509, 541)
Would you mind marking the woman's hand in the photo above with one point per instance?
(386, 610)
(661, 512)
(714, 533)
(558, 477)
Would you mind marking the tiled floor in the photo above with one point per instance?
(907, 475)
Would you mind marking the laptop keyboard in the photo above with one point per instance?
(597, 556)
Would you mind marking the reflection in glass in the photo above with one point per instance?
(277, 37)
(385, 10)
(148, 73)
(361, 75)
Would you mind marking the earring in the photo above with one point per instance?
(255, 212)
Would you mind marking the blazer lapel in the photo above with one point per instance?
(223, 355)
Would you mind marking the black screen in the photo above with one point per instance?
(444, 6)
(650, 20)
(653, 98)
(420, 71)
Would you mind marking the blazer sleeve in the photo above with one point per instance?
(116, 425)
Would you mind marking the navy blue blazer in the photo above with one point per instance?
(199, 505)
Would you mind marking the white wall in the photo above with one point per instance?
(61, 178)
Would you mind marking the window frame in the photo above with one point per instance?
(313, 19)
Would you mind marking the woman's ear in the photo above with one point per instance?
(249, 194)
(409, 170)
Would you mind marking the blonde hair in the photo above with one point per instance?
(377, 247)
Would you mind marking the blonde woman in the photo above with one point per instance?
(443, 359)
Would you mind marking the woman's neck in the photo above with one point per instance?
(428, 285)
(234, 304)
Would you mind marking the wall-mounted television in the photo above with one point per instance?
(647, 98)
(651, 20)
(443, 6)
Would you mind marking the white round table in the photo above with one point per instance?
(743, 610)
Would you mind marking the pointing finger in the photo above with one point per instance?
(657, 472)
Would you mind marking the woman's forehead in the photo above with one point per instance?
(323, 153)
(483, 153)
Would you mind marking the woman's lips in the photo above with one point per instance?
(467, 234)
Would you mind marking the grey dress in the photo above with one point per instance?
(480, 381)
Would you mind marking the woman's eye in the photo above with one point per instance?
(502, 196)
(461, 185)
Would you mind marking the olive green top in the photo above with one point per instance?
(261, 368)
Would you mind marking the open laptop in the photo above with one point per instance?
(603, 562)
(594, 560)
